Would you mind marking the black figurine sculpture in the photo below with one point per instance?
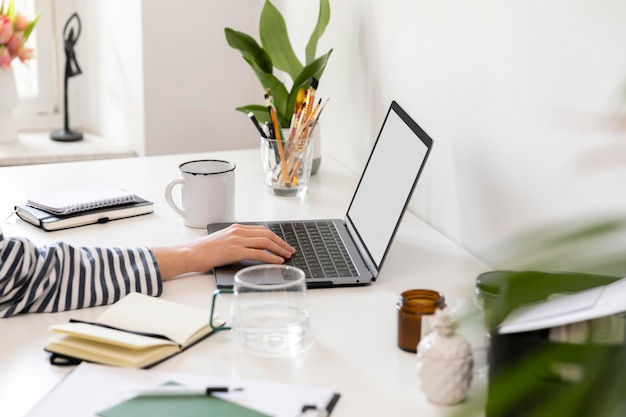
(71, 69)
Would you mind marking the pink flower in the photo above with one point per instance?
(6, 29)
(15, 29)
(5, 57)
(24, 54)
(15, 43)
(21, 22)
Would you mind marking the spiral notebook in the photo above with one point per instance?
(83, 198)
(81, 206)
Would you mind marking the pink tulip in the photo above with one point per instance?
(15, 43)
(21, 22)
(6, 29)
(24, 54)
(5, 57)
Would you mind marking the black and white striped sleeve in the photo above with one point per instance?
(63, 277)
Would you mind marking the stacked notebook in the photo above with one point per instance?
(80, 206)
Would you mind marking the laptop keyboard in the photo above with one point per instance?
(320, 253)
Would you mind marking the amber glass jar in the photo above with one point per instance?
(412, 306)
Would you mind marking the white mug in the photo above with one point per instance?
(207, 192)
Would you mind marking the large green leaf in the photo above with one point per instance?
(275, 40)
(10, 11)
(302, 80)
(278, 89)
(252, 52)
(29, 28)
(322, 21)
(260, 112)
(279, 93)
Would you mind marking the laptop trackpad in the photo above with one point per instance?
(225, 275)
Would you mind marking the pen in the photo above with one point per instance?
(165, 390)
(309, 410)
(256, 124)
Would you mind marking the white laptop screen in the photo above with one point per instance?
(387, 182)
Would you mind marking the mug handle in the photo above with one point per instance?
(215, 294)
(168, 196)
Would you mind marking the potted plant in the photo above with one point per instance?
(276, 53)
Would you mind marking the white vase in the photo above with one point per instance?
(8, 103)
(445, 362)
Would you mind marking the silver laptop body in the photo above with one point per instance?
(373, 216)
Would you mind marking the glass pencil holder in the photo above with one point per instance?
(287, 165)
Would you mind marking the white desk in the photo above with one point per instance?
(354, 329)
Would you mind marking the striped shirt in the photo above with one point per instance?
(63, 277)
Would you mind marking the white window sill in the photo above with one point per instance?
(38, 148)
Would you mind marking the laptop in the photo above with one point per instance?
(361, 240)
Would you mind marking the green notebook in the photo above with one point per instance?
(178, 406)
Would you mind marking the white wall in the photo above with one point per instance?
(109, 92)
(159, 75)
(193, 79)
(523, 98)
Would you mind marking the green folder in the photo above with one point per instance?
(178, 406)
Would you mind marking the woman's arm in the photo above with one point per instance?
(63, 277)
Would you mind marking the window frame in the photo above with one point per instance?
(43, 110)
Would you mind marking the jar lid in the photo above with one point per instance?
(421, 301)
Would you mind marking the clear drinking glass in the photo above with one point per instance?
(269, 309)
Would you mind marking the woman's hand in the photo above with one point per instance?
(232, 244)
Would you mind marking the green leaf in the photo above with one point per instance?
(256, 56)
(11, 10)
(31, 26)
(280, 95)
(275, 40)
(322, 21)
(314, 69)
(259, 111)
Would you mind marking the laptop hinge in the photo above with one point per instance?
(367, 259)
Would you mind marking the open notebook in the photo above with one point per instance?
(351, 251)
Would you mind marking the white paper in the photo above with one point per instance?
(90, 388)
(589, 304)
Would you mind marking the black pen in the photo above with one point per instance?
(256, 124)
(270, 129)
(165, 390)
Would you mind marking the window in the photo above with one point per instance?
(36, 80)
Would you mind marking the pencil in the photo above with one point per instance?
(278, 134)
(317, 118)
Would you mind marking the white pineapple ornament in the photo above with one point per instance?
(444, 361)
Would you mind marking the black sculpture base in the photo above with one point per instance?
(66, 136)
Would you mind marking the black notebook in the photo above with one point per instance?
(81, 206)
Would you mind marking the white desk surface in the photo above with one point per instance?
(354, 329)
